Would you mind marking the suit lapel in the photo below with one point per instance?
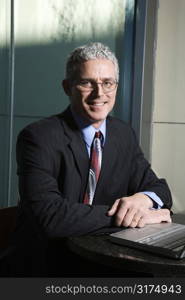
(77, 146)
(79, 150)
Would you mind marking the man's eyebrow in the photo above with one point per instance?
(93, 79)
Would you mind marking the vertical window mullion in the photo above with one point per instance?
(11, 98)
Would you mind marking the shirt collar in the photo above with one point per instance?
(89, 131)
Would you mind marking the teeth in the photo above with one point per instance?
(98, 104)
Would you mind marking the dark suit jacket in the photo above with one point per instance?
(53, 166)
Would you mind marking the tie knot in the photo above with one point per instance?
(98, 134)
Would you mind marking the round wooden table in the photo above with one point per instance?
(102, 251)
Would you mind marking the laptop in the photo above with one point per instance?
(167, 239)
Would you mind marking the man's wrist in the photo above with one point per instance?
(157, 202)
(149, 201)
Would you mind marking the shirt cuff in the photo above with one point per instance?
(157, 202)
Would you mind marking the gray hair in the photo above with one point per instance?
(88, 52)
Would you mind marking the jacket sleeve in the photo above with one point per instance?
(42, 202)
(143, 178)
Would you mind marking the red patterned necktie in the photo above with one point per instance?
(95, 167)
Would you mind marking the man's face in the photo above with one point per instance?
(95, 104)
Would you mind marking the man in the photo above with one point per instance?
(73, 182)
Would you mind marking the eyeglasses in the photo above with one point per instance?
(90, 85)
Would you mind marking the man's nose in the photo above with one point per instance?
(98, 90)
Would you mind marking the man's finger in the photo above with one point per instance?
(120, 214)
(135, 220)
(113, 209)
(166, 215)
(141, 222)
(128, 217)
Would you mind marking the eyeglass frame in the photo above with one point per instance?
(77, 83)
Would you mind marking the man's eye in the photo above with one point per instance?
(86, 83)
(108, 83)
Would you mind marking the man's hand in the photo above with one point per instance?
(154, 216)
(134, 211)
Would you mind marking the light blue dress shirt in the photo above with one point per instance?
(89, 131)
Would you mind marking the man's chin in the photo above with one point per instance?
(97, 117)
(94, 119)
(97, 122)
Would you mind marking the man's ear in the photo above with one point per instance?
(66, 86)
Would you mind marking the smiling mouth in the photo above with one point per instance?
(97, 104)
